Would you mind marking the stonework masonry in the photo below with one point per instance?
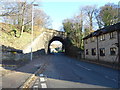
(42, 41)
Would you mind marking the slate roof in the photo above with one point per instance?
(108, 29)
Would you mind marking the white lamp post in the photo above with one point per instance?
(31, 58)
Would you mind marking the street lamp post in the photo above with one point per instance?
(31, 58)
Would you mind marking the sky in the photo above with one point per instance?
(56, 42)
(59, 10)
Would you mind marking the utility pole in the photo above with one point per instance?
(31, 58)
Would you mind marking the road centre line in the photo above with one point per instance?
(114, 80)
(110, 79)
(90, 69)
(83, 67)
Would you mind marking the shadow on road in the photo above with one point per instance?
(61, 67)
(65, 68)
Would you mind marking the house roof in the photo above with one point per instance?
(108, 29)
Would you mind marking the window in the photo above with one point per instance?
(102, 37)
(87, 52)
(92, 39)
(93, 51)
(113, 51)
(112, 35)
(102, 51)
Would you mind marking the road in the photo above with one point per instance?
(66, 72)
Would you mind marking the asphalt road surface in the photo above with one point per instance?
(66, 72)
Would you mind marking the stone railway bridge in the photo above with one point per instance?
(41, 46)
(43, 41)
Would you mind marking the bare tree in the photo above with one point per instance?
(98, 18)
(41, 18)
(20, 14)
(89, 12)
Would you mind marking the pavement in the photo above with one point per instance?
(103, 63)
(20, 75)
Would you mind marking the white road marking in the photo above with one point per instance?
(114, 80)
(83, 67)
(35, 86)
(37, 80)
(43, 85)
(37, 83)
(110, 79)
(42, 79)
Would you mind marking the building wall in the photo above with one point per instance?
(89, 45)
(107, 44)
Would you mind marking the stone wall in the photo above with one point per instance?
(11, 54)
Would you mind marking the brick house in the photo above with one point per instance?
(103, 44)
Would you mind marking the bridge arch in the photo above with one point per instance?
(56, 38)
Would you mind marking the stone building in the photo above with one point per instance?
(103, 44)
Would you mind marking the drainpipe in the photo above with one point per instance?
(118, 45)
(97, 49)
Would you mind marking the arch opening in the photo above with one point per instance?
(56, 45)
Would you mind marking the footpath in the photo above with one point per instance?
(17, 78)
(105, 64)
